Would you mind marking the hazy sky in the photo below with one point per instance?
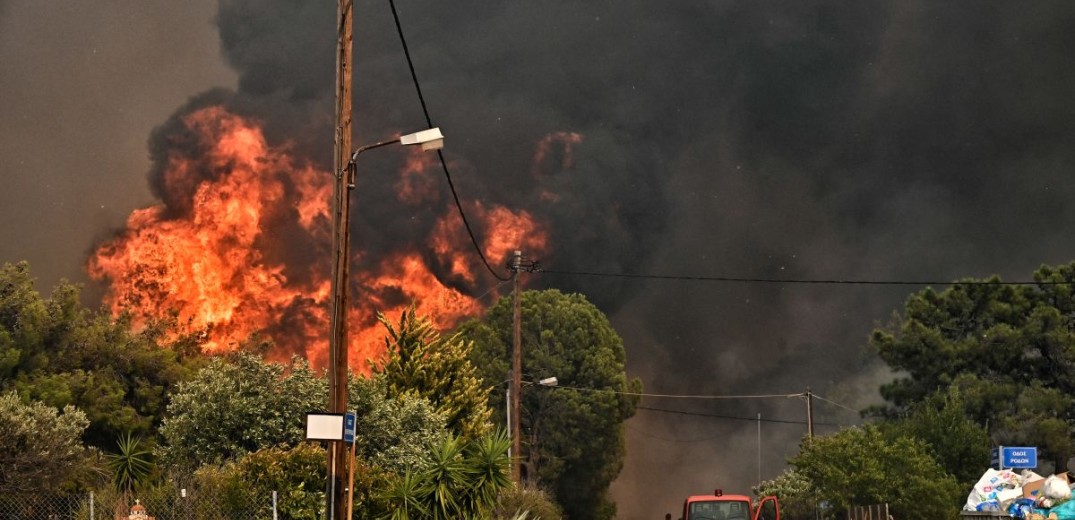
(900, 140)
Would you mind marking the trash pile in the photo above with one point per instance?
(1026, 495)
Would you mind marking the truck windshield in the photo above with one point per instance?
(718, 510)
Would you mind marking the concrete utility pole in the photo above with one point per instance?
(516, 369)
(338, 459)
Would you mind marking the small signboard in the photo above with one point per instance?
(324, 426)
(1019, 457)
(349, 427)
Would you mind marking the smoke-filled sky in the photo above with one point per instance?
(900, 140)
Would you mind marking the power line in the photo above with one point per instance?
(796, 280)
(440, 155)
(676, 396)
(732, 417)
(834, 403)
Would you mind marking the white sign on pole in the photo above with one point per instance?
(324, 426)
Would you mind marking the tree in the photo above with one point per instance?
(296, 473)
(798, 498)
(423, 363)
(859, 466)
(575, 439)
(236, 405)
(1009, 349)
(960, 445)
(394, 434)
(55, 351)
(40, 448)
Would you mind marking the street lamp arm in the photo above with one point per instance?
(354, 156)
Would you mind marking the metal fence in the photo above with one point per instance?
(874, 512)
(159, 504)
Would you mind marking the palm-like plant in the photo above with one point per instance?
(489, 464)
(448, 478)
(403, 498)
(132, 466)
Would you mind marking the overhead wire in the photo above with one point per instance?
(736, 418)
(675, 396)
(834, 403)
(440, 155)
(820, 281)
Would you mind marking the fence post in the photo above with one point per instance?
(91, 505)
(274, 505)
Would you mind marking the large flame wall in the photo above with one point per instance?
(216, 254)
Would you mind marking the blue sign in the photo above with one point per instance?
(349, 427)
(1018, 457)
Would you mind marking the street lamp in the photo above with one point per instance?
(514, 428)
(430, 139)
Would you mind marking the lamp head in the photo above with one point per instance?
(430, 139)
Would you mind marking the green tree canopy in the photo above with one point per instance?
(394, 433)
(421, 362)
(960, 445)
(574, 439)
(797, 496)
(1009, 349)
(55, 351)
(40, 448)
(860, 466)
(236, 405)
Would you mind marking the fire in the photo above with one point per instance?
(241, 246)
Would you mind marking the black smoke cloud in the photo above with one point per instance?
(868, 140)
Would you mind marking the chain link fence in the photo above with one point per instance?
(160, 504)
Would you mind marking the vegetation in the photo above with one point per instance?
(132, 466)
(798, 498)
(1008, 350)
(568, 337)
(421, 362)
(238, 405)
(860, 466)
(296, 473)
(55, 351)
(530, 500)
(462, 480)
(39, 447)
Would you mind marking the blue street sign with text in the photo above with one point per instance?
(1018, 457)
(349, 427)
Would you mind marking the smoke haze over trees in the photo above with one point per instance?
(878, 140)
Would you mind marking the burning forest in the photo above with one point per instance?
(241, 245)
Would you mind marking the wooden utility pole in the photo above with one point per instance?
(516, 369)
(338, 459)
(809, 413)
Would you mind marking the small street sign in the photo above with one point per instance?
(349, 427)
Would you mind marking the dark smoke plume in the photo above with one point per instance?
(868, 140)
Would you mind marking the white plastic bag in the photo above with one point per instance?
(1056, 488)
(990, 485)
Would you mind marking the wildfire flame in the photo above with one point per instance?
(216, 257)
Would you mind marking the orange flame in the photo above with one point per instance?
(215, 256)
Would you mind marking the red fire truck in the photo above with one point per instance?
(719, 506)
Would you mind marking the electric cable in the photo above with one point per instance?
(751, 419)
(675, 396)
(440, 155)
(795, 280)
(834, 403)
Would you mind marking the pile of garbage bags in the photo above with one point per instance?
(1023, 495)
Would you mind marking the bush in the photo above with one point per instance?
(528, 499)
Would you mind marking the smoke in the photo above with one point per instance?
(880, 140)
(876, 140)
